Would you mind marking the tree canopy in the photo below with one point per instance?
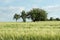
(37, 14)
(23, 15)
(16, 16)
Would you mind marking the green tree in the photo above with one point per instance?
(23, 15)
(51, 19)
(37, 14)
(16, 16)
(57, 19)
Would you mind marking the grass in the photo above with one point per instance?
(48, 30)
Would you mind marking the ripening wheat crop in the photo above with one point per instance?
(45, 30)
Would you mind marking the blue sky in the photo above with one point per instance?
(9, 7)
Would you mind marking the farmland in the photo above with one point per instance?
(44, 30)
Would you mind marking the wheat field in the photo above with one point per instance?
(44, 30)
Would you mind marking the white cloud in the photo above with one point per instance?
(34, 6)
(37, 0)
(17, 8)
(54, 8)
(10, 11)
(6, 13)
(11, 8)
(6, 1)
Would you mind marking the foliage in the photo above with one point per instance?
(37, 14)
(16, 16)
(23, 15)
(51, 19)
(57, 19)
